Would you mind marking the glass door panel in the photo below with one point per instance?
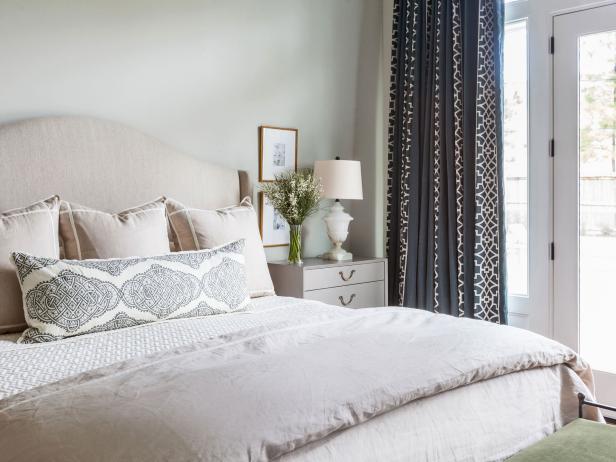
(597, 198)
(515, 149)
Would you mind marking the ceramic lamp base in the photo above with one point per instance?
(337, 221)
(337, 253)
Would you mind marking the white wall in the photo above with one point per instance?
(201, 75)
(367, 230)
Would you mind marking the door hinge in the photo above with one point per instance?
(551, 251)
(552, 147)
(552, 45)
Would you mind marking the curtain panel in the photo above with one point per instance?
(445, 218)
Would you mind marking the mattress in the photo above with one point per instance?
(487, 420)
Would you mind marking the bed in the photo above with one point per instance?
(287, 379)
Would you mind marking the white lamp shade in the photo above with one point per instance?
(341, 179)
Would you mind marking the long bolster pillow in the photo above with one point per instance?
(64, 298)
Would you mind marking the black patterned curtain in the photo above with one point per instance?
(445, 226)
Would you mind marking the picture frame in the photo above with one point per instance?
(273, 227)
(277, 151)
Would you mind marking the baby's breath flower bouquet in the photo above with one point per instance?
(296, 196)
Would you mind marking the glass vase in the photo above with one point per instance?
(295, 244)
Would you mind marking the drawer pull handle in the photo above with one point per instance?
(341, 298)
(346, 278)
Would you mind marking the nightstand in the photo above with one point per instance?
(357, 283)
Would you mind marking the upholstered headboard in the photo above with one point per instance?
(105, 165)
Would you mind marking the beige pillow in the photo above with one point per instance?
(32, 229)
(196, 229)
(137, 232)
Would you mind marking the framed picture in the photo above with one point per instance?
(274, 229)
(277, 151)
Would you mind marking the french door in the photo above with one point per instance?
(585, 189)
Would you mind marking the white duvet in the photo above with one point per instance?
(25, 366)
(303, 374)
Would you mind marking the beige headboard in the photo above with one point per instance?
(105, 165)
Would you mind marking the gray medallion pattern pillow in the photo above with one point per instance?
(64, 298)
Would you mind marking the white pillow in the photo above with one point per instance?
(63, 298)
(196, 229)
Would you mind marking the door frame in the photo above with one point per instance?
(538, 314)
(540, 23)
(565, 326)
(562, 328)
(523, 311)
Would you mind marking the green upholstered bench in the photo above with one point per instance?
(580, 441)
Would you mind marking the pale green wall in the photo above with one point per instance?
(202, 75)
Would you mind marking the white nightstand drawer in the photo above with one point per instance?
(320, 278)
(365, 295)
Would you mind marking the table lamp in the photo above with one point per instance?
(341, 179)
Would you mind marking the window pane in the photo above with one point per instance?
(516, 155)
(597, 198)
